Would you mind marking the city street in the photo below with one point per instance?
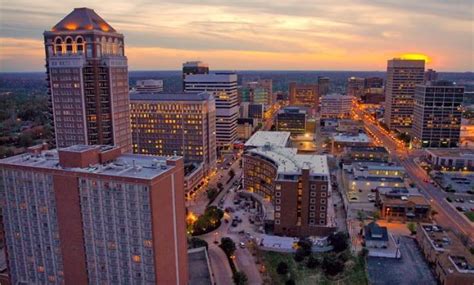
(447, 216)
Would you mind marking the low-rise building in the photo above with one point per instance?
(452, 262)
(451, 158)
(350, 126)
(262, 138)
(367, 153)
(402, 204)
(245, 128)
(342, 140)
(375, 236)
(367, 176)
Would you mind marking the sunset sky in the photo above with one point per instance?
(256, 34)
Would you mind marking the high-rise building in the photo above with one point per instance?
(373, 82)
(253, 92)
(437, 114)
(165, 124)
(267, 84)
(297, 187)
(194, 67)
(355, 86)
(87, 75)
(336, 106)
(402, 77)
(223, 86)
(149, 86)
(291, 119)
(91, 215)
(373, 91)
(304, 95)
(430, 75)
(323, 85)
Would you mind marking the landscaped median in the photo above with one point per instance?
(470, 215)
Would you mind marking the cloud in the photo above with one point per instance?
(331, 32)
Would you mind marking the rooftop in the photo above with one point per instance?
(375, 232)
(212, 78)
(143, 96)
(289, 162)
(262, 138)
(82, 19)
(124, 165)
(378, 149)
(198, 265)
(451, 152)
(352, 138)
(195, 64)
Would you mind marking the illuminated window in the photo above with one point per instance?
(147, 243)
(136, 258)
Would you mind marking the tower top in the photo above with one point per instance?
(83, 19)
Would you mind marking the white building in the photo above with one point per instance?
(149, 86)
(336, 106)
(224, 88)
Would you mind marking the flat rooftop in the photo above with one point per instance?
(377, 149)
(262, 138)
(150, 96)
(198, 267)
(218, 77)
(125, 165)
(451, 152)
(352, 138)
(289, 162)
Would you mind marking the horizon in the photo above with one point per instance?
(255, 35)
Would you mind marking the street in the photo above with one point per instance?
(447, 216)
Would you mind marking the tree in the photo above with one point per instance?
(332, 265)
(411, 227)
(299, 255)
(361, 217)
(282, 268)
(376, 215)
(231, 173)
(220, 186)
(312, 262)
(290, 282)
(306, 245)
(339, 241)
(211, 193)
(433, 213)
(195, 242)
(25, 140)
(240, 278)
(228, 246)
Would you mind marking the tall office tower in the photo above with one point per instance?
(223, 86)
(402, 76)
(253, 92)
(91, 215)
(355, 86)
(149, 86)
(437, 114)
(267, 84)
(87, 75)
(323, 85)
(373, 91)
(163, 124)
(194, 67)
(304, 95)
(291, 119)
(430, 75)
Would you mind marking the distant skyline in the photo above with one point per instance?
(255, 34)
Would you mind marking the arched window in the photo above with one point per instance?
(80, 45)
(104, 46)
(69, 45)
(58, 46)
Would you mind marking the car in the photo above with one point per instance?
(460, 209)
(353, 198)
(471, 201)
(234, 224)
(242, 245)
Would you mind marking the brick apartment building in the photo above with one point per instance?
(90, 215)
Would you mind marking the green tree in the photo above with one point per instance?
(25, 140)
(339, 241)
(220, 186)
(306, 245)
(332, 265)
(290, 282)
(231, 173)
(312, 262)
(240, 278)
(195, 242)
(299, 255)
(211, 193)
(228, 246)
(375, 215)
(411, 227)
(282, 268)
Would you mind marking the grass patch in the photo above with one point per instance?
(470, 215)
(354, 273)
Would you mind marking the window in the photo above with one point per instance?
(311, 221)
(312, 208)
(278, 194)
(311, 214)
(322, 215)
(277, 201)
(136, 258)
(324, 187)
(277, 208)
(322, 222)
(323, 201)
(322, 208)
(277, 222)
(312, 194)
(312, 201)
(323, 194)
(278, 187)
(313, 186)
(277, 215)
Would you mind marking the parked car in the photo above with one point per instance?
(242, 245)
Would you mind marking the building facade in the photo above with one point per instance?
(323, 85)
(402, 77)
(355, 86)
(306, 95)
(336, 106)
(87, 75)
(437, 114)
(194, 67)
(224, 88)
(291, 119)
(169, 124)
(149, 86)
(91, 215)
(255, 92)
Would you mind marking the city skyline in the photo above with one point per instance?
(257, 35)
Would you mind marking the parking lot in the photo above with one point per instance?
(461, 182)
(411, 268)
